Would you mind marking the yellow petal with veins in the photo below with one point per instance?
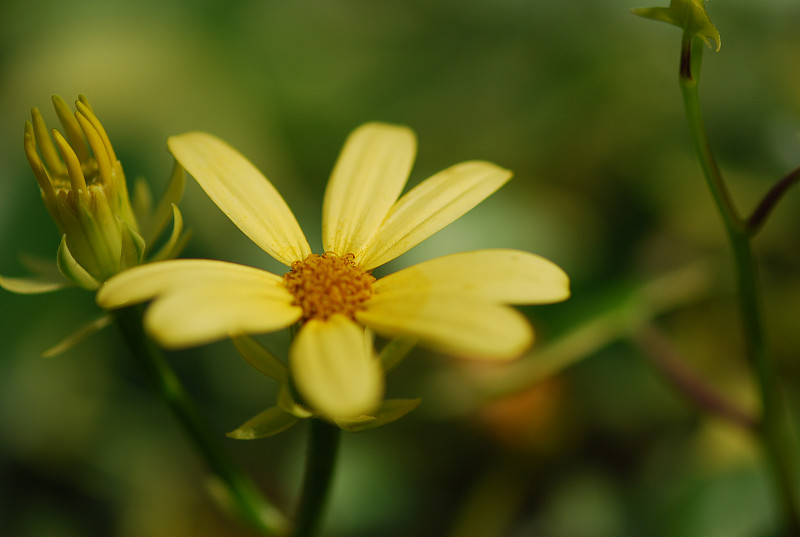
(450, 323)
(430, 206)
(498, 276)
(189, 316)
(243, 193)
(140, 284)
(371, 172)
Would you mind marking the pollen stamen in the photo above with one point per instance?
(327, 284)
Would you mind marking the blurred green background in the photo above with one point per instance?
(580, 99)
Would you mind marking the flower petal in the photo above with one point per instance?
(430, 206)
(371, 171)
(243, 193)
(334, 370)
(198, 314)
(499, 276)
(450, 323)
(146, 282)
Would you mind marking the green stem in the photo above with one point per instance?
(690, 59)
(773, 427)
(323, 445)
(252, 506)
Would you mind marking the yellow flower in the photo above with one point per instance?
(455, 304)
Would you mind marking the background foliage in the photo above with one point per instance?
(579, 98)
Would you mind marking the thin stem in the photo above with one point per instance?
(773, 425)
(776, 193)
(666, 359)
(251, 505)
(691, 102)
(323, 445)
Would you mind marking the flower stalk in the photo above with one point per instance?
(773, 425)
(323, 446)
(248, 501)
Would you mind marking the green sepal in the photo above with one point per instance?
(267, 423)
(77, 336)
(389, 411)
(689, 15)
(261, 358)
(142, 202)
(289, 405)
(395, 351)
(176, 241)
(41, 266)
(33, 285)
(72, 270)
(163, 212)
(133, 247)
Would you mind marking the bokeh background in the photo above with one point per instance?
(584, 436)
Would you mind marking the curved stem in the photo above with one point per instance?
(690, 59)
(773, 426)
(776, 193)
(323, 445)
(251, 505)
(667, 360)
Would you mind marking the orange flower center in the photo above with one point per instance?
(327, 284)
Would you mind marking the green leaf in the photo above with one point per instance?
(690, 15)
(268, 423)
(261, 358)
(77, 336)
(389, 411)
(395, 351)
(72, 270)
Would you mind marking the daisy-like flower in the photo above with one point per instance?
(456, 304)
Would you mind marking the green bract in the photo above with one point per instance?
(690, 15)
(287, 412)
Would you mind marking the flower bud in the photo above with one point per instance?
(690, 15)
(83, 187)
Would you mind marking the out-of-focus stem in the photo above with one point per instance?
(251, 505)
(666, 359)
(323, 446)
(776, 193)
